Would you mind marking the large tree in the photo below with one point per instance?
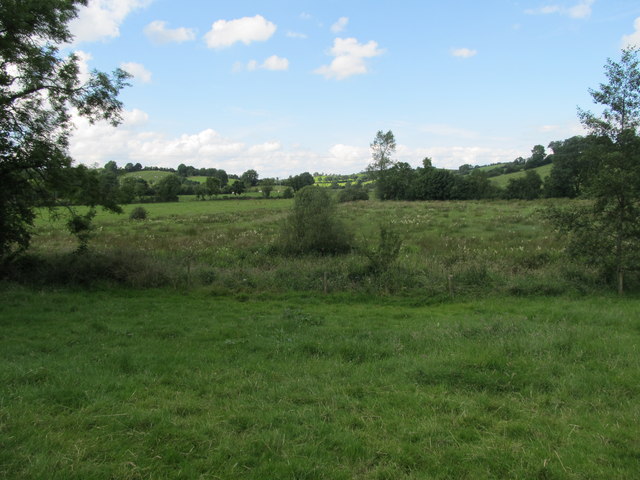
(39, 90)
(607, 233)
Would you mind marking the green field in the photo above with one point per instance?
(168, 384)
(186, 346)
(503, 180)
(150, 176)
(490, 247)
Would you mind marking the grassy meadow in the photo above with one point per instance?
(168, 384)
(188, 346)
(228, 245)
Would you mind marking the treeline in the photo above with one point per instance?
(399, 181)
(113, 184)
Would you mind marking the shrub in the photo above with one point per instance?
(138, 213)
(288, 193)
(353, 193)
(386, 253)
(312, 226)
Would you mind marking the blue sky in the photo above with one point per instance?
(285, 87)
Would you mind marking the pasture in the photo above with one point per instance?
(186, 346)
(490, 247)
(167, 384)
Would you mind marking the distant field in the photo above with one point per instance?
(150, 176)
(503, 180)
(134, 384)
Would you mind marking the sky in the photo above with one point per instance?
(284, 87)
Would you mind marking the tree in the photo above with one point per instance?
(267, 185)
(250, 178)
(38, 91)
(300, 181)
(527, 187)
(382, 147)
(569, 167)
(168, 188)
(607, 233)
(212, 186)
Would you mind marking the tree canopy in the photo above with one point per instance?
(40, 90)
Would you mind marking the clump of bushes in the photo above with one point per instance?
(353, 193)
(138, 213)
(313, 227)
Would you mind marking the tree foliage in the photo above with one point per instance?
(608, 231)
(39, 90)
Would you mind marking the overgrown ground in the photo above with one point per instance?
(161, 384)
(476, 248)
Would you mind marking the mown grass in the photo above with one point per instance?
(167, 384)
(460, 248)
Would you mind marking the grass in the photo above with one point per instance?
(168, 384)
(503, 180)
(486, 247)
(150, 176)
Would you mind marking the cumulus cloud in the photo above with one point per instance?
(225, 33)
(101, 19)
(159, 34)
(463, 52)
(349, 58)
(340, 25)
(580, 10)
(138, 71)
(633, 39)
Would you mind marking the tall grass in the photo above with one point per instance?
(459, 248)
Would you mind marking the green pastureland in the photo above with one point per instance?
(150, 176)
(166, 384)
(503, 180)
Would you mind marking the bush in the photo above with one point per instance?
(138, 213)
(312, 226)
(353, 193)
(386, 253)
(288, 193)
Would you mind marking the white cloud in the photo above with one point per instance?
(463, 52)
(135, 118)
(296, 35)
(580, 10)
(225, 33)
(305, 16)
(276, 63)
(266, 147)
(340, 25)
(632, 39)
(273, 63)
(158, 33)
(83, 65)
(101, 19)
(138, 71)
(349, 58)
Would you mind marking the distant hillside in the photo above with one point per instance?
(503, 180)
(150, 176)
